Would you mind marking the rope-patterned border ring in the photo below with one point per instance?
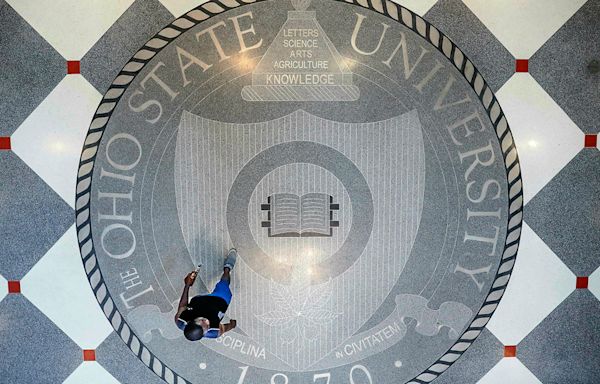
(215, 7)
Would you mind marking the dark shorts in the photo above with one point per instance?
(222, 290)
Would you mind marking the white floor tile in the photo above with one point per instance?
(3, 287)
(546, 138)
(509, 371)
(420, 7)
(72, 27)
(179, 7)
(51, 138)
(523, 26)
(594, 283)
(58, 286)
(90, 372)
(539, 283)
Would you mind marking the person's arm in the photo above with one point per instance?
(183, 301)
(227, 327)
(185, 295)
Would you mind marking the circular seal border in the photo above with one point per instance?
(214, 7)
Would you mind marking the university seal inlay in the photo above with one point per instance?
(349, 151)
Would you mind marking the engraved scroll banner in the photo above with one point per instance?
(428, 322)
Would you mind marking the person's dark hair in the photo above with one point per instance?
(193, 331)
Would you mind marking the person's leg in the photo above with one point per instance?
(228, 264)
(222, 289)
(226, 275)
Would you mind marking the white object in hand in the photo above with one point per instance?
(197, 268)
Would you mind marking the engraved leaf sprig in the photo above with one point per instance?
(299, 308)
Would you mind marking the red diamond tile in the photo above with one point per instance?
(4, 143)
(73, 67)
(591, 141)
(582, 282)
(510, 351)
(89, 355)
(522, 65)
(14, 287)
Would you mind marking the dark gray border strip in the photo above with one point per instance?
(205, 11)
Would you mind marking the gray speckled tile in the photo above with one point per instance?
(33, 349)
(564, 347)
(137, 25)
(33, 217)
(490, 57)
(566, 213)
(27, 75)
(561, 67)
(484, 354)
(118, 359)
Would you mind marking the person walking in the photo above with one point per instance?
(201, 316)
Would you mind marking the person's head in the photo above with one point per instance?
(195, 330)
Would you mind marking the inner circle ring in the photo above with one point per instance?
(300, 152)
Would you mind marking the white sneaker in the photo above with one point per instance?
(230, 259)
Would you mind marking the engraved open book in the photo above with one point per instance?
(291, 215)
